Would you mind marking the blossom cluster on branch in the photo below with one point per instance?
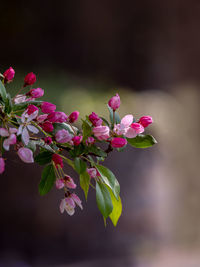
(39, 133)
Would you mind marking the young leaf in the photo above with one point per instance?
(86, 130)
(3, 92)
(103, 199)
(80, 165)
(48, 179)
(117, 208)
(109, 179)
(43, 157)
(117, 118)
(97, 151)
(8, 104)
(60, 126)
(84, 183)
(142, 141)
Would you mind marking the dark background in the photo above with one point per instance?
(81, 52)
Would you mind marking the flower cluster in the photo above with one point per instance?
(39, 133)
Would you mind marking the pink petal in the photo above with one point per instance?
(25, 136)
(4, 132)
(13, 130)
(2, 165)
(131, 133)
(77, 200)
(127, 120)
(25, 155)
(60, 183)
(62, 205)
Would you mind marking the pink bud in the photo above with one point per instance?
(48, 140)
(2, 165)
(118, 142)
(31, 109)
(90, 140)
(77, 140)
(57, 116)
(47, 126)
(47, 107)
(29, 79)
(73, 116)
(9, 75)
(57, 160)
(137, 127)
(145, 121)
(36, 93)
(42, 118)
(101, 132)
(92, 172)
(63, 136)
(95, 120)
(114, 102)
(25, 155)
(69, 182)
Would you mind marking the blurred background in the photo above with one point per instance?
(83, 52)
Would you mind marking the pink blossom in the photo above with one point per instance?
(29, 79)
(114, 102)
(92, 172)
(48, 140)
(95, 120)
(63, 136)
(90, 140)
(36, 93)
(101, 132)
(77, 140)
(42, 118)
(69, 182)
(67, 204)
(47, 126)
(2, 165)
(31, 109)
(145, 121)
(122, 128)
(60, 183)
(118, 142)
(57, 160)
(9, 74)
(47, 107)
(25, 155)
(73, 116)
(57, 116)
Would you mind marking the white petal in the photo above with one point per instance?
(20, 130)
(4, 132)
(13, 130)
(62, 205)
(23, 116)
(69, 209)
(25, 136)
(6, 144)
(32, 116)
(32, 129)
(127, 120)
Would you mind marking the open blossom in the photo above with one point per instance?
(114, 102)
(26, 126)
(73, 116)
(118, 142)
(63, 136)
(29, 79)
(11, 140)
(101, 132)
(66, 181)
(36, 93)
(95, 120)
(47, 126)
(9, 75)
(47, 107)
(57, 116)
(145, 121)
(25, 155)
(77, 140)
(68, 204)
(2, 165)
(57, 160)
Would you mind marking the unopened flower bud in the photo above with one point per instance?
(26, 155)
(57, 116)
(47, 126)
(31, 109)
(47, 107)
(77, 140)
(29, 79)
(114, 102)
(95, 120)
(101, 132)
(9, 75)
(145, 121)
(137, 127)
(48, 140)
(57, 160)
(63, 136)
(73, 116)
(36, 93)
(118, 142)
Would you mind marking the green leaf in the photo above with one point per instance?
(77, 151)
(84, 183)
(48, 179)
(117, 118)
(142, 141)
(103, 199)
(97, 151)
(60, 126)
(80, 165)
(117, 208)
(106, 122)
(3, 92)
(8, 104)
(69, 162)
(87, 130)
(43, 157)
(109, 179)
